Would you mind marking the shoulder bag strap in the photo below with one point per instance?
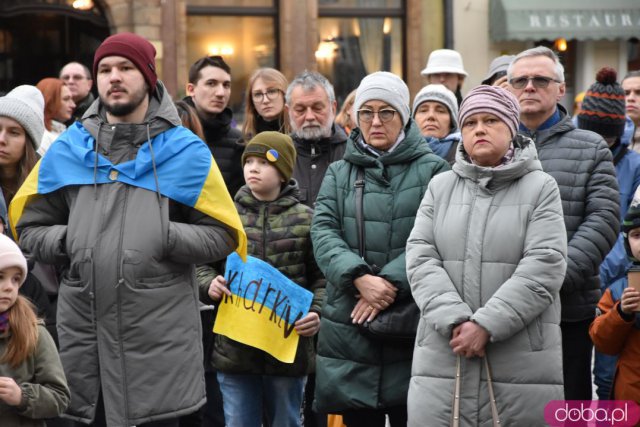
(455, 417)
(359, 186)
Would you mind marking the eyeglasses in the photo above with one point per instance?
(385, 116)
(539, 82)
(271, 94)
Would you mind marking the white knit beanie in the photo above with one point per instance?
(25, 105)
(11, 256)
(438, 93)
(387, 87)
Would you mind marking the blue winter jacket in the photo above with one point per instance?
(616, 264)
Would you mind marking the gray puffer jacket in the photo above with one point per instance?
(580, 161)
(488, 245)
(128, 319)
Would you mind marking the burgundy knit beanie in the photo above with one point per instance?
(133, 47)
(493, 100)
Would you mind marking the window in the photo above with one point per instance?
(243, 34)
(359, 37)
(633, 56)
(39, 41)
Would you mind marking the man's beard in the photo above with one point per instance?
(121, 110)
(312, 132)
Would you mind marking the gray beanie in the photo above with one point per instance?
(387, 87)
(25, 105)
(438, 93)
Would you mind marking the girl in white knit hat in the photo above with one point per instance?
(32, 382)
(21, 130)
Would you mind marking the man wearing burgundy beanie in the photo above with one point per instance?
(125, 206)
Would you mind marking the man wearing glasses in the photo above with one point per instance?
(77, 78)
(209, 90)
(581, 163)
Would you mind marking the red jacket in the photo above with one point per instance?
(611, 334)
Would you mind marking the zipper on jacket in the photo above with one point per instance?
(120, 282)
(466, 239)
(92, 296)
(264, 230)
(265, 210)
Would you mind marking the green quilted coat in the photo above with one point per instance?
(352, 371)
(278, 233)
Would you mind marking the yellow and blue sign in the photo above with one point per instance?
(263, 308)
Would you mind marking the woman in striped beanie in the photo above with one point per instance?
(485, 261)
(489, 118)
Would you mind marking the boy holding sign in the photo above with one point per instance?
(277, 227)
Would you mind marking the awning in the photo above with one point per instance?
(571, 19)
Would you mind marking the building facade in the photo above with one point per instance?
(343, 39)
(588, 35)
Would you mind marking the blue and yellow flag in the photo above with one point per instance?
(263, 308)
(186, 173)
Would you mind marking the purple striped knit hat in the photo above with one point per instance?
(493, 100)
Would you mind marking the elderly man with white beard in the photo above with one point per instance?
(311, 105)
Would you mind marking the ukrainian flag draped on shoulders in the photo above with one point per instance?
(184, 166)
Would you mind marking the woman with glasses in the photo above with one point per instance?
(486, 260)
(264, 103)
(364, 378)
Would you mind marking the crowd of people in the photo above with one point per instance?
(502, 224)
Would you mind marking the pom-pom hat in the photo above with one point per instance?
(603, 106)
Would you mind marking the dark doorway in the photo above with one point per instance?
(37, 37)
